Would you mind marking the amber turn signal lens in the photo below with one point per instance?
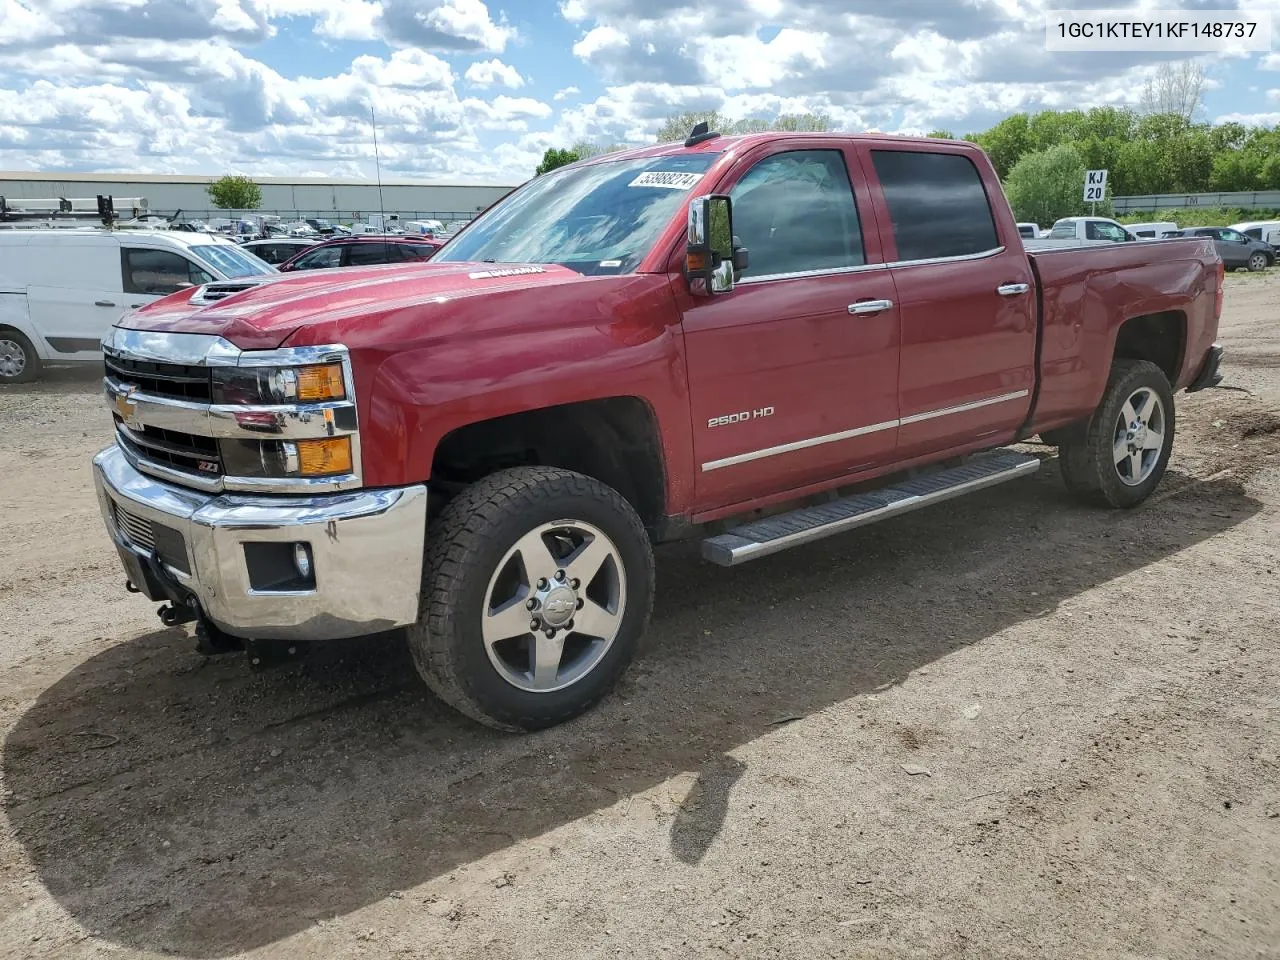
(695, 262)
(321, 382)
(322, 458)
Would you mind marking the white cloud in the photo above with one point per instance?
(570, 91)
(486, 73)
(461, 25)
(336, 19)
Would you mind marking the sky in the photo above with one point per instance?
(465, 90)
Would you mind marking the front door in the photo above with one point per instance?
(793, 374)
(967, 303)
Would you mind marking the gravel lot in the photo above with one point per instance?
(1009, 727)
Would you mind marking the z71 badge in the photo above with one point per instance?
(742, 417)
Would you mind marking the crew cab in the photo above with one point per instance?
(758, 341)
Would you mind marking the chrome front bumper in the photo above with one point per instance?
(365, 546)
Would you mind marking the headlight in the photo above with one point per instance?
(315, 383)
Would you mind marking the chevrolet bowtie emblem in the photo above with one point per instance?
(127, 407)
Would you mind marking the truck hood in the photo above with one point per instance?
(267, 313)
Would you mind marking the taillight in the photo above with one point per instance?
(1217, 297)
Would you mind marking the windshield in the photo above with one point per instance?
(597, 219)
(232, 261)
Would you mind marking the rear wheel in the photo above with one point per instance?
(1119, 457)
(18, 360)
(537, 588)
(1259, 261)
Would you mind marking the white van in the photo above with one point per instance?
(1260, 230)
(62, 290)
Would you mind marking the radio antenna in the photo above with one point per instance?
(377, 165)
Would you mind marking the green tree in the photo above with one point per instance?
(235, 193)
(555, 157)
(1006, 142)
(1047, 185)
(941, 134)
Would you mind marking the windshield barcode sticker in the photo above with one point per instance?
(672, 180)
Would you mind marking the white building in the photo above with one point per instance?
(303, 196)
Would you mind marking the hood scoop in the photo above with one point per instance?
(221, 289)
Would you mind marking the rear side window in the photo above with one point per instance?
(794, 212)
(1063, 230)
(937, 204)
(365, 254)
(159, 272)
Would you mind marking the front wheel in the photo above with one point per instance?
(1258, 262)
(537, 588)
(1119, 458)
(18, 360)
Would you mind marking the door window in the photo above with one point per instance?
(159, 272)
(1232, 236)
(320, 258)
(937, 204)
(1101, 230)
(794, 212)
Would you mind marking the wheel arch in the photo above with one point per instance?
(615, 440)
(1159, 337)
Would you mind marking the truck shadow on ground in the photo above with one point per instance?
(187, 806)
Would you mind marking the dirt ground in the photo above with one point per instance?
(1012, 726)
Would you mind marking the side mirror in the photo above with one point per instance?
(711, 261)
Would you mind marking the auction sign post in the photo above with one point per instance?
(1095, 188)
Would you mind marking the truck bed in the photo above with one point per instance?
(1087, 292)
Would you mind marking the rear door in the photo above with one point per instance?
(793, 374)
(966, 300)
(74, 293)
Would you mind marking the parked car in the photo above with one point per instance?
(1236, 249)
(279, 249)
(1090, 228)
(61, 290)
(362, 251)
(1152, 231)
(484, 448)
(1265, 230)
(1029, 231)
(323, 227)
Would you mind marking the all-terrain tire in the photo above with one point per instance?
(1088, 457)
(465, 546)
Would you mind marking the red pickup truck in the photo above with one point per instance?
(757, 340)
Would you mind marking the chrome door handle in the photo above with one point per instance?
(1013, 289)
(863, 307)
(103, 303)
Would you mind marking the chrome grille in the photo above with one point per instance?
(176, 381)
(137, 530)
(188, 452)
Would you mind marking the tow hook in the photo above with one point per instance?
(131, 587)
(172, 615)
